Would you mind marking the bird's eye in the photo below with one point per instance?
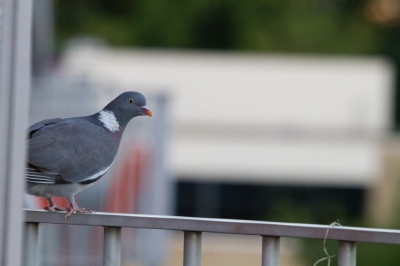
(130, 101)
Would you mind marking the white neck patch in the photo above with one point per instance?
(109, 121)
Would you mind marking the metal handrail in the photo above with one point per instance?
(244, 227)
(193, 227)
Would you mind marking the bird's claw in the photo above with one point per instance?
(54, 208)
(76, 210)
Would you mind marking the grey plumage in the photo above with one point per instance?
(70, 149)
(66, 156)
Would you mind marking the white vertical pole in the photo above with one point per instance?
(347, 253)
(270, 251)
(31, 244)
(16, 22)
(112, 246)
(192, 249)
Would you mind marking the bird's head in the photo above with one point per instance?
(128, 105)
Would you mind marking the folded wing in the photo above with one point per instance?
(68, 150)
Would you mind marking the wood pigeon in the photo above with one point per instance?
(66, 156)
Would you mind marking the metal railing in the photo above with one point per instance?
(193, 228)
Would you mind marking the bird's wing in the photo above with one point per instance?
(39, 125)
(75, 149)
(36, 174)
(42, 176)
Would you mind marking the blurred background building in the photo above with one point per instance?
(283, 111)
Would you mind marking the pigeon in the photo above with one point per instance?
(66, 156)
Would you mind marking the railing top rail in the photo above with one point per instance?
(342, 233)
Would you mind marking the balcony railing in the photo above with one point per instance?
(193, 228)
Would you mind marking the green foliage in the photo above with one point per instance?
(287, 25)
(312, 250)
(367, 253)
(377, 254)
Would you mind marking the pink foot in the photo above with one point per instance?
(76, 210)
(54, 208)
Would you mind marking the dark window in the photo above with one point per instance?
(269, 202)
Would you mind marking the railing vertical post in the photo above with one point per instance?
(347, 253)
(270, 250)
(112, 246)
(31, 241)
(15, 83)
(192, 249)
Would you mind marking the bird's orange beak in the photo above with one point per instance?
(146, 110)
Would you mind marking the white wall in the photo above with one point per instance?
(259, 117)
